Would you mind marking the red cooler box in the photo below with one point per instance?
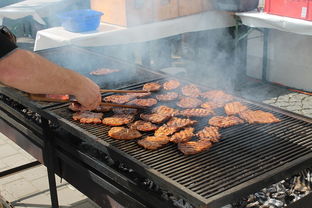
(300, 9)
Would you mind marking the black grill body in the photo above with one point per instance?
(247, 158)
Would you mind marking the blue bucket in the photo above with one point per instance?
(80, 20)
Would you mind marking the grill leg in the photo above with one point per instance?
(49, 160)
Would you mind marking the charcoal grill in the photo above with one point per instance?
(247, 158)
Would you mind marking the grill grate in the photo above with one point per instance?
(244, 152)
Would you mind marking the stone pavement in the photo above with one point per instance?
(30, 188)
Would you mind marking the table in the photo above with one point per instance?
(35, 8)
(108, 34)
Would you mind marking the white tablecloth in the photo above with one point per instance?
(108, 34)
(287, 24)
(35, 8)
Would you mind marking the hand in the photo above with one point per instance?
(88, 95)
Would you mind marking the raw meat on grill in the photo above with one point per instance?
(118, 120)
(120, 99)
(182, 136)
(104, 71)
(165, 130)
(122, 133)
(139, 95)
(88, 117)
(194, 147)
(143, 126)
(210, 133)
(180, 122)
(212, 105)
(171, 85)
(217, 95)
(168, 96)
(191, 90)
(152, 86)
(234, 108)
(196, 112)
(155, 117)
(153, 142)
(258, 116)
(189, 102)
(131, 111)
(225, 121)
(165, 110)
(143, 102)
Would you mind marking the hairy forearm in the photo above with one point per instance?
(31, 73)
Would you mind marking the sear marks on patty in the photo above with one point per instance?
(217, 95)
(182, 136)
(212, 105)
(165, 110)
(104, 71)
(191, 90)
(152, 86)
(258, 116)
(194, 147)
(155, 117)
(189, 102)
(122, 133)
(210, 133)
(88, 117)
(139, 95)
(131, 111)
(143, 102)
(74, 106)
(120, 99)
(143, 126)
(118, 120)
(225, 121)
(171, 85)
(153, 142)
(168, 96)
(234, 108)
(165, 130)
(180, 122)
(196, 112)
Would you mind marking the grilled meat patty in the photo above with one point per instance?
(225, 121)
(171, 85)
(88, 117)
(165, 110)
(143, 126)
(153, 142)
(165, 130)
(182, 136)
(120, 99)
(131, 111)
(210, 133)
(74, 106)
(143, 102)
(212, 105)
(196, 112)
(118, 119)
(258, 116)
(168, 96)
(152, 86)
(189, 102)
(180, 122)
(122, 133)
(234, 108)
(217, 95)
(191, 90)
(155, 117)
(194, 147)
(139, 95)
(104, 71)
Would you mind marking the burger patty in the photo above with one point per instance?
(120, 99)
(212, 105)
(258, 116)
(171, 85)
(180, 122)
(222, 121)
(234, 108)
(194, 147)
(143, 102)
(143, 126)
(155, 117)
(165, 110)
(196, 112)
(153, 142)
(182, 136)
(122, 133)
(87, 117)
(191, 90)
(139, 95)
(165, 130)
(118, 120)
(152, 86)
(210, 133)
(189, 102)
(217, 95)
(168, 96)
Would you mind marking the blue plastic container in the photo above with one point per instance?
(80, 20)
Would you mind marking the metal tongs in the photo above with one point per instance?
(69, 98)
